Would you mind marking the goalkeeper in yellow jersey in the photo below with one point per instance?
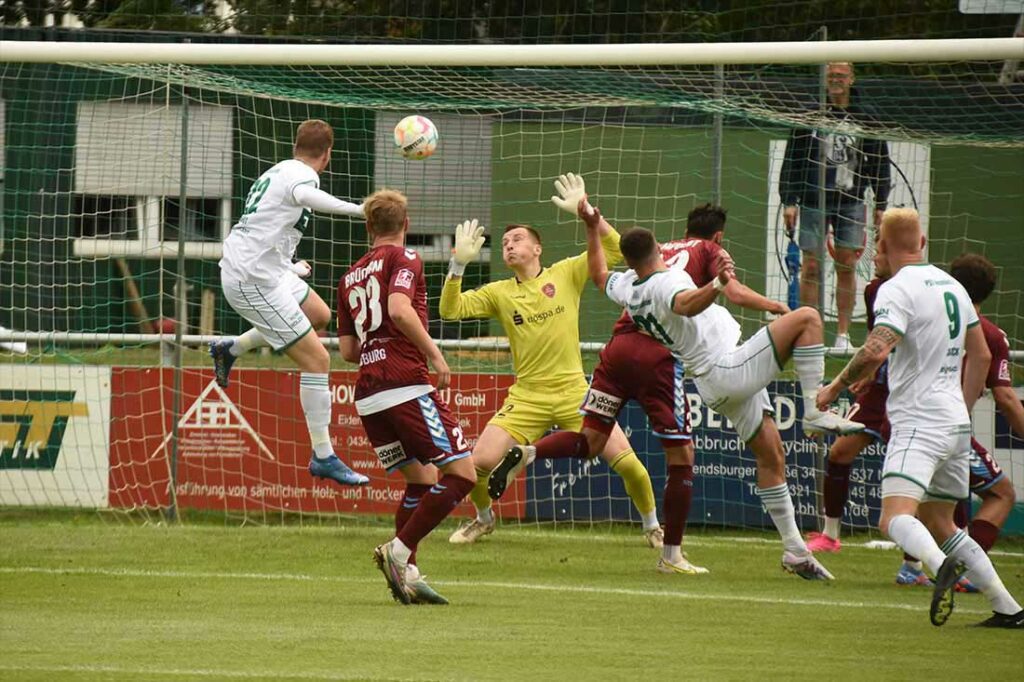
(539, 309)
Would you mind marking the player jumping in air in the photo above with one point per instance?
(633, 366)
(539, 311)
(382, 325)
(260, 284)
(731, 379)
(929, 319)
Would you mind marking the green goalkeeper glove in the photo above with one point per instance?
(469, 239)
(571, 191)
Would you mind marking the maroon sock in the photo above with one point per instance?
(676, 503)
(984, 533)
(837, 488)
(413, 493)
(962, 514)
(434, 506)
(563, 444)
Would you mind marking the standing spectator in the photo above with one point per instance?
(854, 164)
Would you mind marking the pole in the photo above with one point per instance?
(823, 208)
(716, 138)
(181, 303)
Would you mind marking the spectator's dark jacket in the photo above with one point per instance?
(798, 183)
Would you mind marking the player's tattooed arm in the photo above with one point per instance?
(865, 363)
(871, 355)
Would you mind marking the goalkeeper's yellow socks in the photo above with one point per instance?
(638, 485)
(481, 500)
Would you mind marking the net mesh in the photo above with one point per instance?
(92, 215)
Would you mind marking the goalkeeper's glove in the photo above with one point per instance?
(469, 239)
(571, 191)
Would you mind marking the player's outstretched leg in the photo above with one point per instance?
(515, 460)
(800, 334)
(315, 396)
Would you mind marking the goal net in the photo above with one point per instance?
(109, 170)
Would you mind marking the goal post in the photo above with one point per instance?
(100, 188)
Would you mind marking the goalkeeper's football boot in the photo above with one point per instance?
(1009, 621)
(807, 567)
(819, 542)
(220, 351)
(655, 537)
(942, 596)
(336, 470)
(394, 572)
(682, 566)
(910, 575)
(514, 461)
(830, 422)
(471, 531)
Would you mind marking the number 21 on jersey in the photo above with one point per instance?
(364, 301)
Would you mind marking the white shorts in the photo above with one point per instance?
(735, 384)
(275, 311)
(928, 463)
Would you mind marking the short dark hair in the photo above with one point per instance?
(638, 246)
(976, 273)
(705, 221)
(516, 226)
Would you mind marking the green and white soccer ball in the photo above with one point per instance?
(416, 137)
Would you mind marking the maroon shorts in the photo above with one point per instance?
(985, 471)
(869, 410)
(419, 429)
(633, 366)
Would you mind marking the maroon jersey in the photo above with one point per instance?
(387, 359)
(999, 369)
(696, 256)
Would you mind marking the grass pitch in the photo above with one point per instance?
(83, 598)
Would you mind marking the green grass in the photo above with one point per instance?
(83, 598)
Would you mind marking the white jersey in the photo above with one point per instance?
(932, 312)
(698, 340)
(262, 243)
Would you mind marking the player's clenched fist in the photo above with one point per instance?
(725, 267)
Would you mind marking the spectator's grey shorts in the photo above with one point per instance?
(847, 226)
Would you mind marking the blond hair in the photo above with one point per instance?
(901, 229)
(386, 211)
(313, 139)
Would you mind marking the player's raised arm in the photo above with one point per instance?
(695, 301)
(597, 263)
(456, 304)
(740, 294)
(315, 199)
(571, 197)
(975, 365)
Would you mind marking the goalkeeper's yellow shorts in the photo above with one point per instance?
(527, 414)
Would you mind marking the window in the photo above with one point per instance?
(202, 220)
(106, 217)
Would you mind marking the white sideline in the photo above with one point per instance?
(795, 52)
(195, 672)
(537, 587)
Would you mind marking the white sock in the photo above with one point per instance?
(247, 342)
(401, 552)
(650, 520)
(673, 553)
(315, 396)
(980, 571)
(412, 573)
(910, 534)
(916, 565)
(809, 362)
(485, 515)
(779, 504)
(832, 527)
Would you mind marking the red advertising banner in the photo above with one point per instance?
(246, 448)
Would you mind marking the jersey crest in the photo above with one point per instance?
(549, 290)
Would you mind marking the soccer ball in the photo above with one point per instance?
(416, 137)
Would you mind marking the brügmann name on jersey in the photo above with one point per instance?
(359, 274)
